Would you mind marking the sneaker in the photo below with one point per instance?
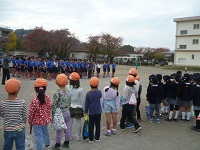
(65, 144)
(168, 119)
(107, 133)
(151, 120)
(139, 120)
(90, 142)
(113, 131)
(130, 125)
(56, 147)
(138, 129)
(97, 140)
(175, 119)
(46, 147)
(158, 120)
(183, 120)
(195, 129)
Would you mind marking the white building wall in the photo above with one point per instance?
(187, 58)
(191, 55)
(188, 40)
(188, 25)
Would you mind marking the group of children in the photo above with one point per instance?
(176, 92)
(73, 104)
(35, 67)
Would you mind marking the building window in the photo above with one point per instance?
(195, 41)
(192, 56)
(183, 46)
(196, 26)
(183, 32)
(182, 60)
(73, 55)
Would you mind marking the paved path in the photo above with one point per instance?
(163, 136)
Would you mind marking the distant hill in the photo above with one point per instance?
(21, 32)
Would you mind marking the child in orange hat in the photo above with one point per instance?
(93, 108)
(77, 103)
(127, 107)
(14, 112)
(111, 104)
(62, 98)
(40, 114)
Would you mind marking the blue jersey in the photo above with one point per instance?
(50, 64)
(114, 66)
(75, 65)
(30, 63)
(104, 66)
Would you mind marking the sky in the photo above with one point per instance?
(146, 23)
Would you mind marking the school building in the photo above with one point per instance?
(187, 46)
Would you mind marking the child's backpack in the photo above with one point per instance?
(147, 108)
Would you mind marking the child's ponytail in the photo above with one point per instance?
(41, 94)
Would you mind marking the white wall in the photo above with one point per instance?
(187, 58)
(188, 40)
(24, 53)
(188, 25)
(78, 55)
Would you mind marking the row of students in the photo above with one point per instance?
(33, 67)
(177, 92)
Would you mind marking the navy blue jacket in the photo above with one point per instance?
(154, 94)
(171, 89)
(185, 91)
(92, 102)
(195, 95)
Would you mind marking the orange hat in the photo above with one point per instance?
(133, 71)
(12, 85)
(130, 78)
(61, 79)
(40, 82)
(94, 81)
(137, 78)
(74, 76)
(115, 81)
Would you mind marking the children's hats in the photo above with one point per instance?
(132, 71)
(153, 75)
(12, 85)
(61, 79)
(74, 76)
(130, 78)
(40, 82)
(159, 77)
(137, 78)
(197, 79)
(115, 81)
(154, 80)
(94, 81)
(186, 77)
(179, 72)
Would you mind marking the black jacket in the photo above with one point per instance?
(154, 94)
(195, 95)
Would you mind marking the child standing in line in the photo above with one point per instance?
(113, 69)
(61, 98)
(98, 68)
(93, 108)
(40, 114)
(185, 97)
(127, 109)
(77, 103)
(104, 69)
(14, 112)
(196, 102)
(111, 104)
(154, 97)
(138, 99)
(108, 69)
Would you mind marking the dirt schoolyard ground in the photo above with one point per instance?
(153, 136)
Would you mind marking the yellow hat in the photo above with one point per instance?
(74, 76)
(115, 81)
(12, 85)
(94, 81)
(40, 82)
(61, 79)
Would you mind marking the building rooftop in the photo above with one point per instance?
(187, 18)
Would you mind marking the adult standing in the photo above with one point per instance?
(5, 67)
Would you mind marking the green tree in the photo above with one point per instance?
(12, 41)
(159, 57)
